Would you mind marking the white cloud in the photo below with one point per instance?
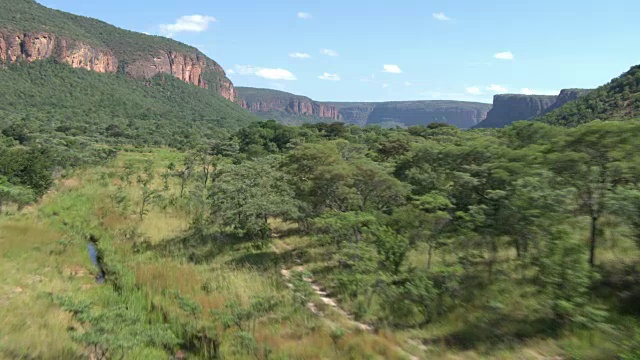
(266, 73)
(146, 33)
(190, 23)
(441, 16)
(275, 74)
(299, 55)
(407, 83)
(329, 77)
(368, 78)
(528, 91)
(497, 88)
(230, 72)
(304, 15)
(506, 55)
(474, 90)
(384, 86)
(391, 68)
(329, 52)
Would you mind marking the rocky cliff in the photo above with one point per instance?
(281, 105)
(38, 46)
(30, 32)
(188, 67)
(508, 108)
(567, 95)
(408, 113)
(294, 109)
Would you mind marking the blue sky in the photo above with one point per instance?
(432, 49)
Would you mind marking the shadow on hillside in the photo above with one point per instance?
(619, 285)
(195, 247)
(499, 332)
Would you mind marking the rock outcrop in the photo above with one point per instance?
(192, 68)
(567, 95)
(270, 103)
(39, 45)
(294, 109)
(408, 113)
(508, 108)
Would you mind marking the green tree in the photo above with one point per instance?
(245, 196)
(594, 159)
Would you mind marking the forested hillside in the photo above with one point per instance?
(617, 100)
(30, 32)
(54, 101)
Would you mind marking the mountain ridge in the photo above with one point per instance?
(30, 31)
(288, 107)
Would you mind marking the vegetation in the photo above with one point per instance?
(54, 103)
(477, 244)
(617, 100)
(127, 46)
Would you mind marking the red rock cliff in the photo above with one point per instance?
(190, 68)
(298, 105)
(38, 45)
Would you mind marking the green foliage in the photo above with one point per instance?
(619, 99)
(76, 105)
(114, 332)
(565, 281)
(245, 196)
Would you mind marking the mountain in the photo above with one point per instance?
(65, 76)
(407, 113)
(295, 109)
(508, 108)
(617, 100)
(285, 107)
(30, 31)
(566, 96)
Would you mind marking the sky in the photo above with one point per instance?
(382, 50)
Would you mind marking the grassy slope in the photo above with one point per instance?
(617, 100)
(43, 252)
(79, 102)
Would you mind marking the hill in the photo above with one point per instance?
(56, 100)
(295, 109)
(285, 107)
(617, 100)
(508, 108)
(30, 31)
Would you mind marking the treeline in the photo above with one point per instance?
(30, 162)
(504, 225)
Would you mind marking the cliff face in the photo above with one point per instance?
(190, 68)
(462, 115)
(508, 108)
(567, 95)
(295, 109)
(38, 46)
(269, 102)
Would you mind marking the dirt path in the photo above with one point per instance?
(331, 302)
(326, 299)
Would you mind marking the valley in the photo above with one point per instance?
(152, 209)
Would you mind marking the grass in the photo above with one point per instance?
(44, 255)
